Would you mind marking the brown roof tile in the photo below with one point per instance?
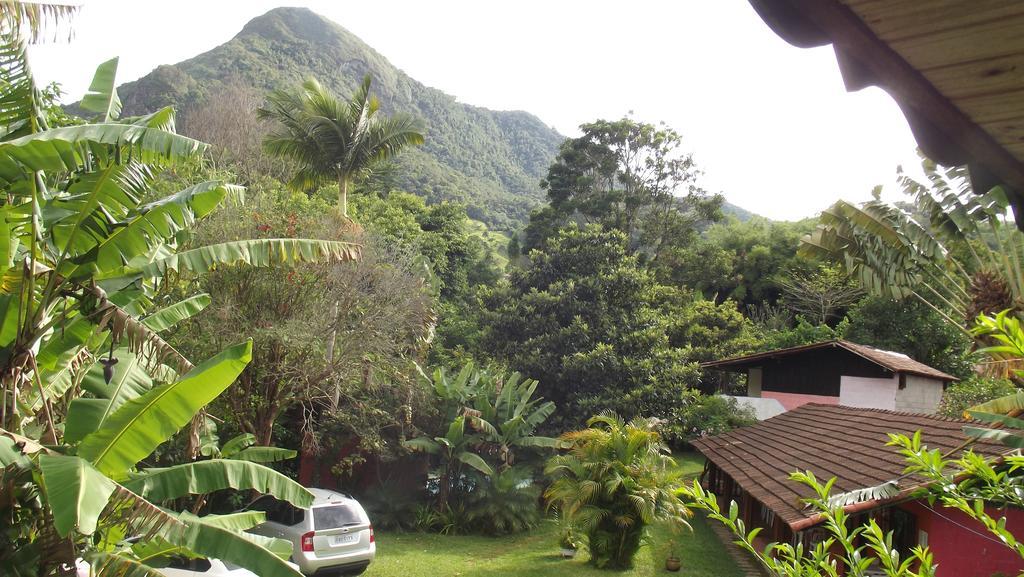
(830, 441)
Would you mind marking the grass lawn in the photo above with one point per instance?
(535, 554)
(691, 463)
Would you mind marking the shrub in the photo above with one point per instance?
(704, 415)
(615, 480)
(961, 396)
(506, 502)
(393, 506)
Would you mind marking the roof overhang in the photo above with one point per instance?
(954, 67)
(874, 356)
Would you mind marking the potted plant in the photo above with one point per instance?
(673, 562)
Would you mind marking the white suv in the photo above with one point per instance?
(332, 537)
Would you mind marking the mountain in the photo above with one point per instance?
(490, 160)
(741, 214)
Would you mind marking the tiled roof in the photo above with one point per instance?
(831, 441)
(895, 362)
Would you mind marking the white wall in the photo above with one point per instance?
(921, 395)
(754, 382)
(869, 393)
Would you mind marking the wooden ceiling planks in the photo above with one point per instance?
(956, 68)
(894, 20)
(960, 45)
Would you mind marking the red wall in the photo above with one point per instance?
(960, 552)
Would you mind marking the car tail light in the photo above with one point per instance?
(307, 541)
(372, 538)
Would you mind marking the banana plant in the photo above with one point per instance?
(455, 449)
(507, 414)
(80, 251)
(88, 387)
(953, 248)
(96, 494)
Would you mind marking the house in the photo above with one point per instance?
(840, 373)
(751, 466)
(954, 68)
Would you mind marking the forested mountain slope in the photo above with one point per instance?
(490, 160)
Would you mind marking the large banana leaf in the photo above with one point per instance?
(475, 461)
(241, 521)
(262, 555)
(34, 21)
(167, 317)
(242, 449)
(1001, 406)
(1008, 438)
(129, 380)
(61, 149)
(134, 335)
(262, 454)
(139, 426)
(77, 493)
(214, 475)
(154, 224)
(425, 444)
(237, 443)
(256, 252)
(540, 442)
(102, 95)
(109, 564)
(1001, 412)
(94, 203)
(158, 547)
(21, 109)
(84, 417)
(186, 533)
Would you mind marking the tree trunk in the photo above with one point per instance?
(343, 195)
(331, 343)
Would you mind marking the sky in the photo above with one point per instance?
(770, 125)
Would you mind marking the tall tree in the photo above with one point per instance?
(629, 176)
(587, 320)
(333, 140)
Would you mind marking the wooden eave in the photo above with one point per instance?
(954, 67)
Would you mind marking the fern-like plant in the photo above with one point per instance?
(615, 481)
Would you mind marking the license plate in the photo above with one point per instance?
(344, 539)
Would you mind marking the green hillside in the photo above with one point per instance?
(741, 214)
(490, 160)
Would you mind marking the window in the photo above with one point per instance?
(280, 512)
(334, 517)
(767, 517)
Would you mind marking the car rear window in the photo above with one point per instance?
(334, 517)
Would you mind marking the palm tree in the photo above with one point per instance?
(616, 479)
(333, 140)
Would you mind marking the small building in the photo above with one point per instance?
(840, 373)
(751, 466)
